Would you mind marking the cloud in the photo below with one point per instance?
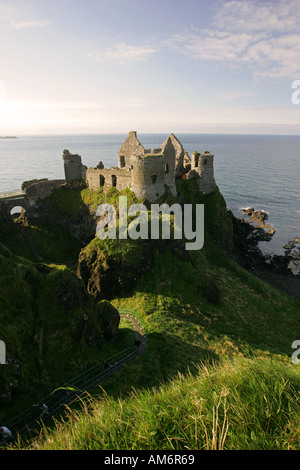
(261, 35)
(257, 16)
(124, 53)
(18, 18)
(27, 24)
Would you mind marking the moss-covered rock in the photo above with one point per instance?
(50, 326)
(109, 319)
(111, 268)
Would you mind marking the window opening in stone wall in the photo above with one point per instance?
(205, 161)
(153, 178)
(166, 168)
(113, 181)
(102, 180)
(122, 161)
(18, 214)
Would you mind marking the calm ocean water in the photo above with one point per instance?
(251, 170)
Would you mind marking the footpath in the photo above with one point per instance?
(31, 420)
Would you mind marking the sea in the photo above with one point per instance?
(259, 171)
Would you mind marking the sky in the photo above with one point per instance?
(111, 66)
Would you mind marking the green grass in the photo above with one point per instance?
(217, 372)
(12, 237)
(43, 326)
(74, 201)
(55, 244)
(242, 404)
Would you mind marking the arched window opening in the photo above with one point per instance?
(16, 211)
(113, 181)
(18, 214)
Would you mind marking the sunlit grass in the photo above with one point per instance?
(239, 404)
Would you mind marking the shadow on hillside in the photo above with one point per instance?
(247, 313)
(165, 357)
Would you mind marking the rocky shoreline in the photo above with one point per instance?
(282, 271)
(259, 217)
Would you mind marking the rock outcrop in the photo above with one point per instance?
(111, 269)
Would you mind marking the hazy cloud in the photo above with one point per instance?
(124, 53)
(263, 35)
(18, 18)
(27, 24)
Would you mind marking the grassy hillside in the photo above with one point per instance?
(243, 404)
(225, 332)
(53, 330)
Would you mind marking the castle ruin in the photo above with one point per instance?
(146, 172)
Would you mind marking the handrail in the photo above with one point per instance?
(30, 419)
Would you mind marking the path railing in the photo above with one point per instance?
(31, 419)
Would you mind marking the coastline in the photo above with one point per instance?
(281, 271)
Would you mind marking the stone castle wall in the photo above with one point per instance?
(74, 170)
(107, 178)
(33, 191)
(179, 154)
(131, 147)
(202, 169)
(145, 172)
(151, 172)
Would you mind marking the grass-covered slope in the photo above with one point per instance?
(205, 316)
(52, 328)
(200, 309)
(243, 404)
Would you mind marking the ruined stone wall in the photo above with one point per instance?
(26, 184)
(131, 147)
(6, 205)
(41, 190)
(151, 173)
(74, 170)
(107, 178)
(179, 154)
(145, 172)
(148, 179)
(202, 169)
(169, 165)
(207, 183)
(33, 193)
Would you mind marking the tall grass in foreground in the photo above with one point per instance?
(242, 404)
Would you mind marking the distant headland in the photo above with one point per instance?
(8, 137)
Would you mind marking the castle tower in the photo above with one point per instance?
(129, 148)
(151, 172)
(207, 183)
(74, 170)
(202, 169)
(179, 154)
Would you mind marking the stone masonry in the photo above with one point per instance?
(146, 172)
